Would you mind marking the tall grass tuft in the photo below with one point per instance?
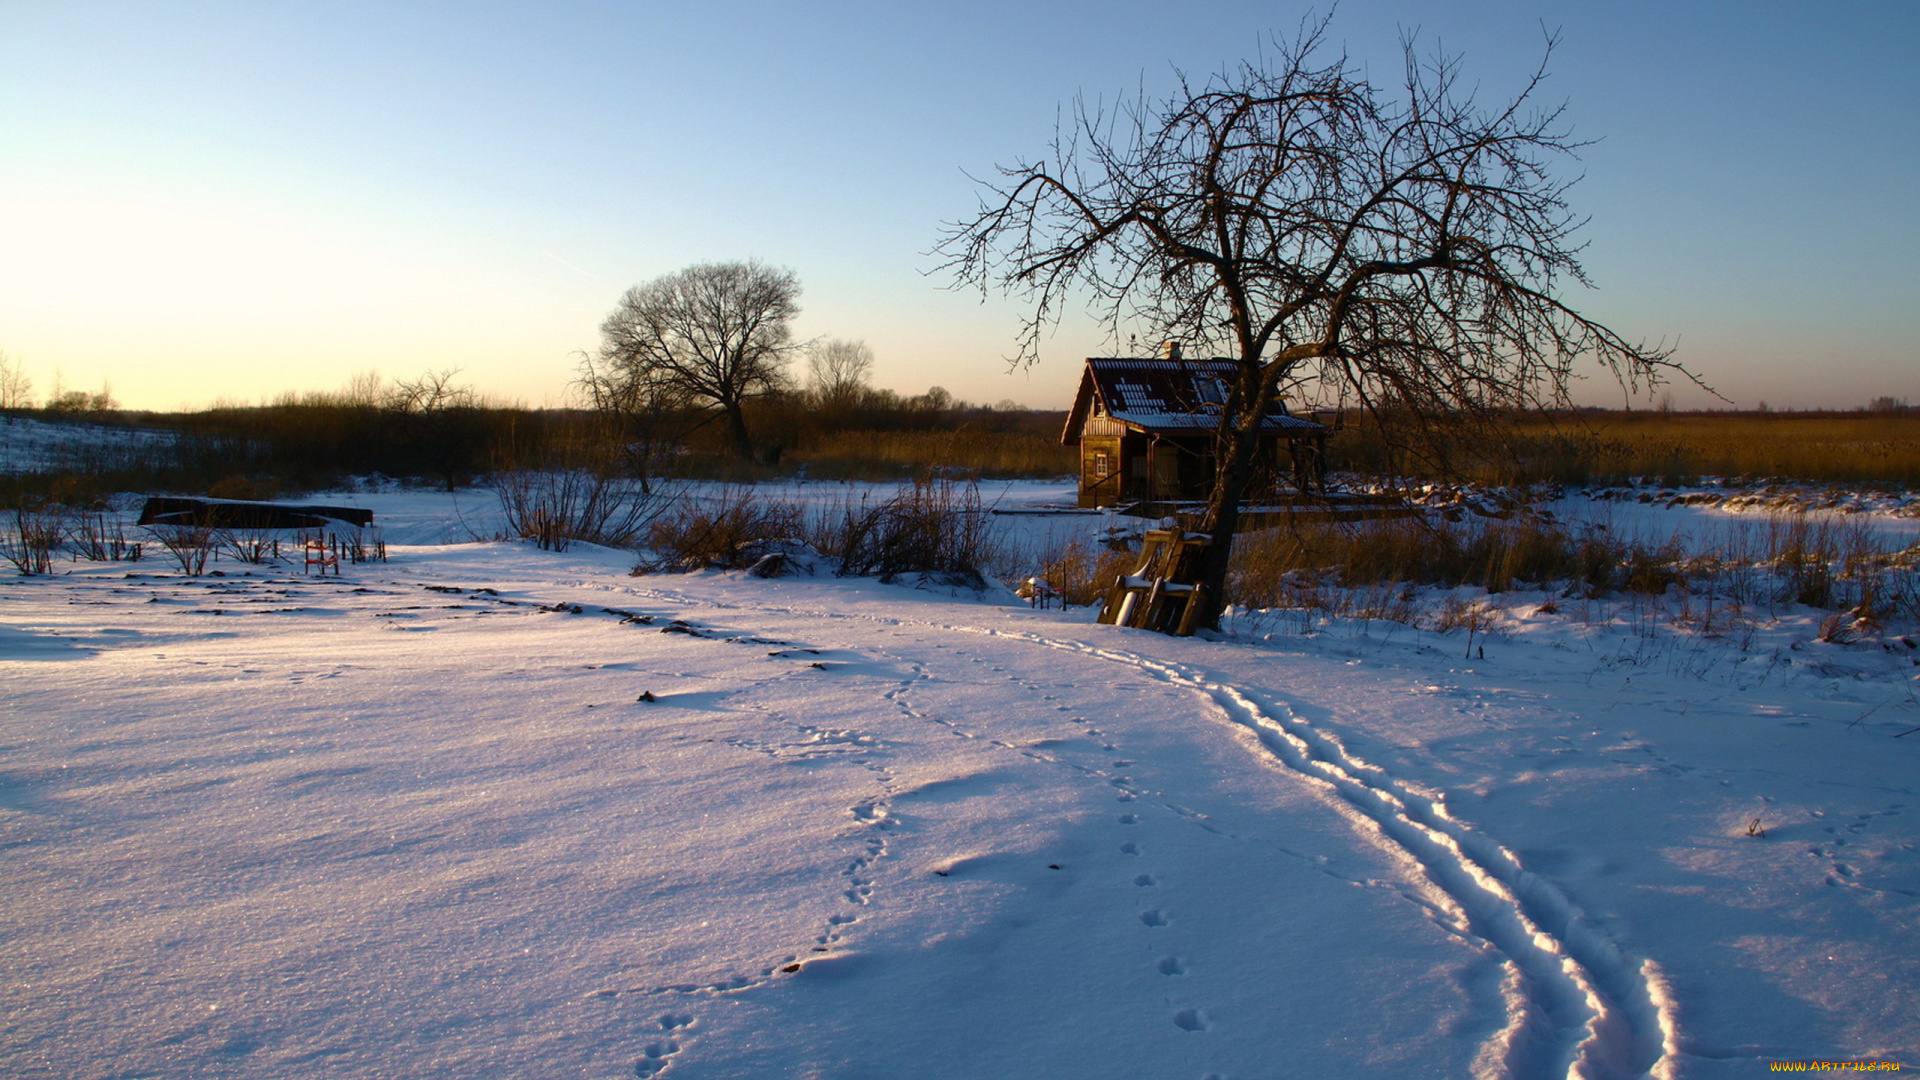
(1082, 575)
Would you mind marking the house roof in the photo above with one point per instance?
(1161, 396)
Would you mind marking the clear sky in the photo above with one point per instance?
(207, 200)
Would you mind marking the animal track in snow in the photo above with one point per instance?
(655, 1057)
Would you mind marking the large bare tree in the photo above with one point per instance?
(715, 334)
(1402, 245)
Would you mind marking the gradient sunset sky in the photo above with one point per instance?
(213, 200)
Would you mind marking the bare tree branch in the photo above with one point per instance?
(1404, 246)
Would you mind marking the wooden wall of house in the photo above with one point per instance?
(1098, 488)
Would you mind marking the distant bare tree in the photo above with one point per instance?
(432, 392)
(1402, 245)
(79, 401)
(16, 388)
(716, 334)
(362, 390)
(838, 372)
(442, 409)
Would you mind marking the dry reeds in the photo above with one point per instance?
(1789, 559)
(1673, 449)
(1081, 575)
(876, 455)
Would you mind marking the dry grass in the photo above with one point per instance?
(873, 455)
(1080, 574)
(1365, 569)
(1675, 448)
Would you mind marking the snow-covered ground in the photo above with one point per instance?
(483, 810)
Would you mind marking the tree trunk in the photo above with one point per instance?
(1235, 458)
(737, 428)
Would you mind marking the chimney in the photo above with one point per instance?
(1171, 350)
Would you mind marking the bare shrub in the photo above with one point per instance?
(190, 543)
(723, 529)
(931, 526)
(555, 507)
(97, 539)
(253, 546)
(29, 539)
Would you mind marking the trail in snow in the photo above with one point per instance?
(1576, 1006)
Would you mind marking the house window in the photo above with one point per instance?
(1102, 465)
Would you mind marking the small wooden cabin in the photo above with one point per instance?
(1146, 428)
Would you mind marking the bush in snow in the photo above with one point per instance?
(30, 534)
(728, 528)
(931, 526)
(555, 507)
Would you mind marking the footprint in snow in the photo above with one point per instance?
(1171, 965)
(1190, 1020)
(1153, 918)
(655, 1057)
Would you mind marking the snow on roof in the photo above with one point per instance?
(1163, 395)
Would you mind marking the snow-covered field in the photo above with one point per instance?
(486, 811)
(29, 445)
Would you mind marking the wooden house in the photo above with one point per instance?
(1146, 430)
